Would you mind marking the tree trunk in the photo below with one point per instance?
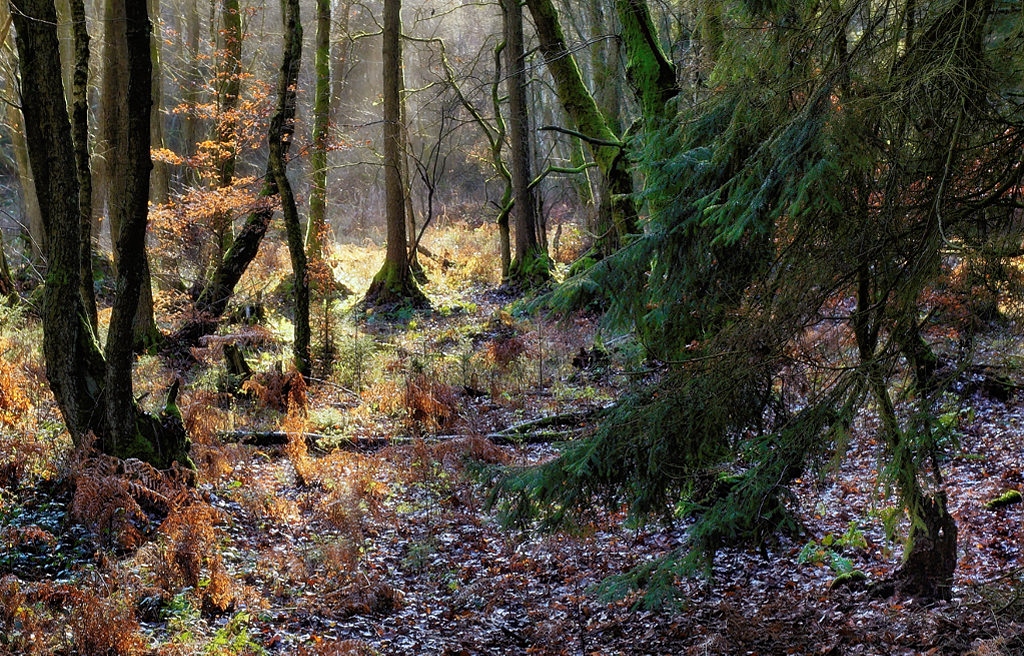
(339, 60)
(112, 94)
(581, 107)
(213, 300)
(129, 203)
(160, 180)
(229, 87)
(32, 230)
(279, 132)
(394, 283)
(649, 71)
(94, 398)
(930, 559)
(530, 266)
(419, 275)
(83, 161)
(32, 216)
(317, 224)
(192, 82)
(74, 365)
(115, 102)
(930, 556)
(7, 287)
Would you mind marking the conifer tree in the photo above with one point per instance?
(826, 183)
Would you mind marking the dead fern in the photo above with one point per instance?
(14, 403)
(123, 501)
(431, 405)
(188, 538)
(279, 391)
(505, 350)
(340, 648)
(104, 625)
(41, 618)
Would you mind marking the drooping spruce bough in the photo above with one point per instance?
(833, 162)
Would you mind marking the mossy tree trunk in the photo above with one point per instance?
(581, 107)
(83, 161)
(648, 69)
(530, 266)
(317, 223)
(930, 554)
(94, 392)
(394, 283)
(281, 129)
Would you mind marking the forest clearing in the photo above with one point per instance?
(511, 327)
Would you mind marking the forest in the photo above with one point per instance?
(456, 327)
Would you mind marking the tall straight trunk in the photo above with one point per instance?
(340, 55)
(394, 283)
(74, 365)
(145, 334)
(192, 83)
(530, 264)
(129, 203)
(160, 180)
(83, 161)
(608, 95)
(279, 132)
(32, 217)
(33, 232)
(67, 45)
(317, 223)
(112, 93)
(591, 124)
(229, 81)
(229, 86)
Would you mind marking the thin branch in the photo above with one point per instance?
(580, 135)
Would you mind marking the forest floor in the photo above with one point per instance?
(354, 520)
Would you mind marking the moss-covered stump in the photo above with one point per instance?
(927, 569)
(530, 271)
(394, 286)
(847, 579)
(1007, 498)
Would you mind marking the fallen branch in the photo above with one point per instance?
(564, 419)
(326, 443)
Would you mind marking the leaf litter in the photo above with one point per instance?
(390, 551)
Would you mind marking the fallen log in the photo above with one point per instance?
(326, 443)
